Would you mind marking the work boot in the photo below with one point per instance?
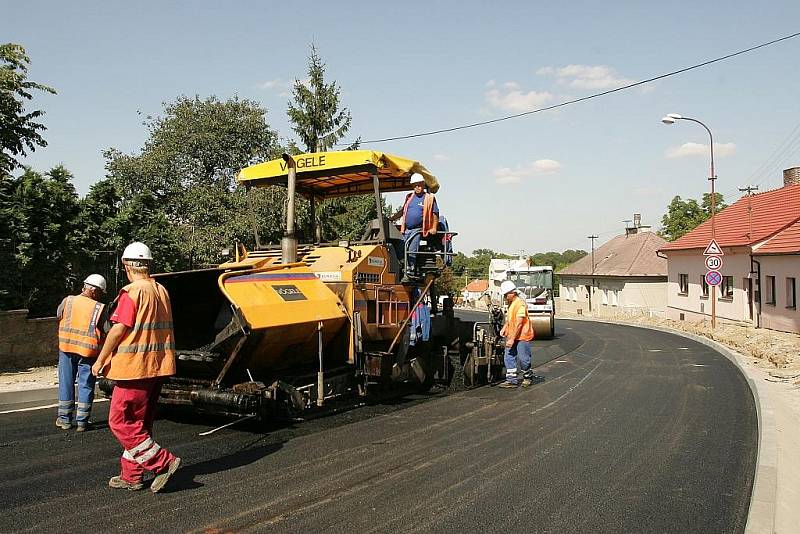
(83, 427)
(63, 425)
(508, 385)
(161, 479)
(118, 483)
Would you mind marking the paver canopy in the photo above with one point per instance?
(331, 174)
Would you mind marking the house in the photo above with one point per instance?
(627, 275)
(760, 240)
(474, 290)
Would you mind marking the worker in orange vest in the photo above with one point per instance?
(138, 354)
(80, 318)
(519, 333)
(419, 218)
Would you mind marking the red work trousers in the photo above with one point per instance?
(130, 417)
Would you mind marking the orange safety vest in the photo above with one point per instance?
(148, 349)
(428, 221)
(78, 328)
(518, 311)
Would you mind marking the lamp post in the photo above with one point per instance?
(670, 118)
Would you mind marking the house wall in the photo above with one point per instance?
(639, 294)
(777, 316)
(695, 307)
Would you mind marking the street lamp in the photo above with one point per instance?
(670, 118)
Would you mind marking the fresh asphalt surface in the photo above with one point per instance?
(632, 431)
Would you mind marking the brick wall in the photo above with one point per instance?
(26, 343)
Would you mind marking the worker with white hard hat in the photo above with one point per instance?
(518, 332)
(138, 354)
(80, 318)
(419, 217)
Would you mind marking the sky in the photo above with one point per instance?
(542, 182)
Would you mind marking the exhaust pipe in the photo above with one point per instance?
(289, 241)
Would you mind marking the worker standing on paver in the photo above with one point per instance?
(79, 338)
(518, 332)
(139, 353)
(419, 217)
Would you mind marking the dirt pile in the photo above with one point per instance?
(781, 349)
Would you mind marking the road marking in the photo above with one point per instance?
(560, 361)
(655, 350)
(699, 365)
(33, 408)
(681, 348)
(568, 391)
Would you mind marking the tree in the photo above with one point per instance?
(40, 255)
(319, 122)
(179, 193)
(683, 216)
(18, 130)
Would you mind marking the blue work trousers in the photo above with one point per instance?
(412, 237)
(519, 351)
(70, 367)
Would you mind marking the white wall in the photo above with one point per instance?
(695, 307)
(647, 294)
(777, 316)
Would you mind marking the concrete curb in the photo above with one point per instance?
(11, 400)
(761, 515)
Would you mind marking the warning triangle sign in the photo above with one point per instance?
(713, 249)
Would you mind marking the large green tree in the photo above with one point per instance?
(19, 130)
(40, 254)
(683, 216)
(320, 122)
(179, 191)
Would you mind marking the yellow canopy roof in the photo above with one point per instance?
(329, 174)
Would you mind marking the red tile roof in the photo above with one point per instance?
(477, 286)
(772, 212)
(624, 255)
(786, 241)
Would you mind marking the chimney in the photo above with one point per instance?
(637, 220)
(791, 176)
(637, 227)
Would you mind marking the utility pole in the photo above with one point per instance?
(749, 190)
(591, 291)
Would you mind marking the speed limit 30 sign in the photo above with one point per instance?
(713, 263)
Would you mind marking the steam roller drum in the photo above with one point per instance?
(542, 326)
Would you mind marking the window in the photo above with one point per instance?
(726, 288)
(605, 296)
(683, 284)
(704, 286)
(791, 295)
(769, 290)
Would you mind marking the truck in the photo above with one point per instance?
(535, 282)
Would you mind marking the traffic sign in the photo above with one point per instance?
(713, 263)
(713, 278)
(713, 249)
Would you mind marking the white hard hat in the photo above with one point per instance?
(137, 251)
(95, 280)
(507, 287)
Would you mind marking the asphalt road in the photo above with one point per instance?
(632, 431)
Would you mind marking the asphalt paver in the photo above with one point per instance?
(631, 431)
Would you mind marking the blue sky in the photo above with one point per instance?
(538, 183)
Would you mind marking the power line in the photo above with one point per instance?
(581, 99)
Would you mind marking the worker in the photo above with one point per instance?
(518, 332)
(80, 318)
(138, 354)
(419, 218)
